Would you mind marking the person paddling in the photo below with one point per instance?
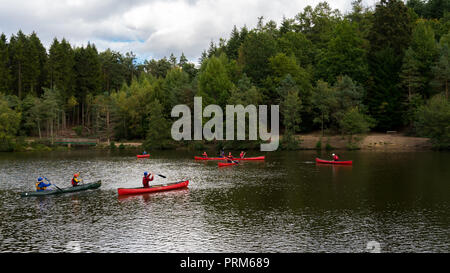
(230, 159)
(335, 157)
(76, 180)
(205, 155)
(242, 154)
(41, 185)
(144, 153)
(222, 153)
(148, 176)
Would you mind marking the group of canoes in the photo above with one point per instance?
(79, 185)
(43, 187)
(230, 159)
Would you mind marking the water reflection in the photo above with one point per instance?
(286, 203)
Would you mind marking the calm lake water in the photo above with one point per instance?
(397, 201)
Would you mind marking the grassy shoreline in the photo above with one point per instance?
(313, 141)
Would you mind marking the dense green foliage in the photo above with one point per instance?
(377, 68)
(432, 120)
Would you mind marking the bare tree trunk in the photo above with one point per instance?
(322, 123)
(97, 116)
(63, 120)
(20, 81)
(82, 114)
(409, 93)
(446, 89)
(51, 129)
(107, 125)
(88, 119)
(39, 129)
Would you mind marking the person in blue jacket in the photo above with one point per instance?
(41, 185)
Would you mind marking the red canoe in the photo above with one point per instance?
(318, 160)
(220, 164)
(234, 158)
(154, 188)
(143, 156)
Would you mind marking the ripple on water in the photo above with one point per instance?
(281, 205)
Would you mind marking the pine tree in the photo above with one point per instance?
(318, 23)
(389, 37)
(424, 46)
(114, 71)
(324, 100)
(410, 74)
(441, 71)
(38, 62)
(254, 55)
(214, 84)
(5, 75)
(61, 64)
(345, 55)
(233, 44)
(18, 59)
(87, 77)
(158, 133)
(290, 104)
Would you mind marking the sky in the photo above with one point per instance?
(148, 28)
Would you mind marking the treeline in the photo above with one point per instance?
(374, 68)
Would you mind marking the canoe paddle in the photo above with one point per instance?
(163, 176)
(81, 180)
(53, 184)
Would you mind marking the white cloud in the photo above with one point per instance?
(151, 29)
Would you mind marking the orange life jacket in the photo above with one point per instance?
(38, 188)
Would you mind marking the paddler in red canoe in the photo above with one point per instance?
(230, 159)
(205, 155)
(335, 157)
(148, 176)
(242, 154)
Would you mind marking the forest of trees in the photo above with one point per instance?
(371, 69)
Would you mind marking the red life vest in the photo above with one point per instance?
(75, 182)
(147, 179)
(335, 158)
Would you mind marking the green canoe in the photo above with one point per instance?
(81, 187)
